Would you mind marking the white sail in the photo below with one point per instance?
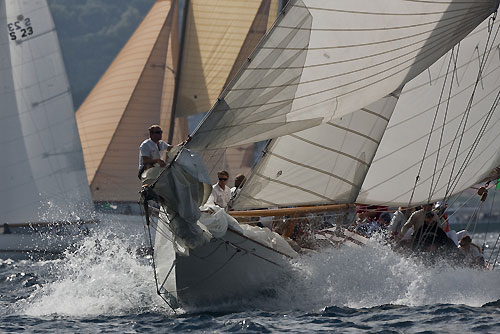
(325, 59)
(391, 177)
(327, 163)
(43, 175)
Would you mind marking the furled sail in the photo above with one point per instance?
(43, 175)
(464, 146)
(130, 96)
(325, 59)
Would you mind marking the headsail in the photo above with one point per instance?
(391, 177)
(42, 164)
(325, 59)
(138, 89)
(324, 164)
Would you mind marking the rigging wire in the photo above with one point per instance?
(493, 253)
(417, 178)
(453, 183)
(431, 190)
(153, 258)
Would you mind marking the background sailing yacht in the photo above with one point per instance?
(43, 175)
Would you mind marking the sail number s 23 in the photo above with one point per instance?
(20, 29)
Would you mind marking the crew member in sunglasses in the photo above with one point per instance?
(221, 193)
(150, 150)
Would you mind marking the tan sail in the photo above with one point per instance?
(114, 118)
(220, 35)
(215, 33)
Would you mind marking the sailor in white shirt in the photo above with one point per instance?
(221, 193)
(150, 149)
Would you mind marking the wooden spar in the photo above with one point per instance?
(291, 211)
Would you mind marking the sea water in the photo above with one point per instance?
(104, 286)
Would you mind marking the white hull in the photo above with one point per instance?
(51, 241)
(227, 268)
(24, 242)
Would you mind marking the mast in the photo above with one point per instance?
(178, 72)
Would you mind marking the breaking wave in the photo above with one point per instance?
(375, 275)
(105, 276)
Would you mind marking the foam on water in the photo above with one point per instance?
(375, 275)
(103, 276)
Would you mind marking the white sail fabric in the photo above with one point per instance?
(391, 177)
(43, 175)
(326, 163)
(325, 59)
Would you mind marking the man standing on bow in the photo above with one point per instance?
(150, 150)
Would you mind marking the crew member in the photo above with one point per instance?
(220, 191)
(150, 150)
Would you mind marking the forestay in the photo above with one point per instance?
(391, 177)
(42, 164)
(325, 59)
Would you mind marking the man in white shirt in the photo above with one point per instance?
(220, 191)
(150, 150)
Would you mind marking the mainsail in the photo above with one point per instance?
(215, 34)
(332, 163)
(43, 175)
(325, 59)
